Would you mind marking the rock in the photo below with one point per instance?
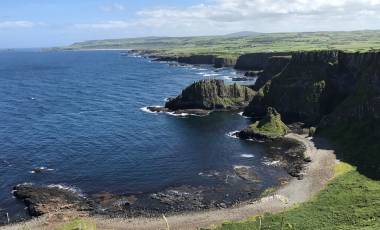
(246, 173)
(41, 200)
(157, 109)
(212, 95)
(270, 127)
(253, 73)
(194, 112)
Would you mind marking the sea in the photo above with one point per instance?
(78, 119)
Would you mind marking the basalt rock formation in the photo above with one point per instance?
(270, 127)
(216, 61)
(258, 61)
(212, 95)
(337, 91)
(41, 200)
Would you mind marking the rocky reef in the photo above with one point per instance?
(212, 95)
(41, 200)
(270, 127)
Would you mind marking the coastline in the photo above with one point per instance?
(317, 174)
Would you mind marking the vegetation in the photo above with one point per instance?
(78, 224)
(270, 126)
(359, 143)
(350, 201)
(228, 46)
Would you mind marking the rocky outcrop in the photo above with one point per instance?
(41, 200)
(269, 127)
(216, 61)
(212, 95)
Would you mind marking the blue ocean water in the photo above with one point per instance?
(79, 114)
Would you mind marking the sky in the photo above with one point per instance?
(47, 23)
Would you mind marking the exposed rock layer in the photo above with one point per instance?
(212, 95)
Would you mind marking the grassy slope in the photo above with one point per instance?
(234, 46)
(271, 126)
(351, 201)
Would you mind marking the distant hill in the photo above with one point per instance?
(243, 34)
(239, 43)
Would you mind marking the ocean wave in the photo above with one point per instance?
(41, 170)
(233, 134)
(211, 74)
(145, 109)
(241, 114)
(241, 167)
(185, 115)
(268, 162)
(67, 188)
(247, 156)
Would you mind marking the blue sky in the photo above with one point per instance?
(45, 23)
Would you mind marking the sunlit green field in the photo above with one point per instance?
(235, 45)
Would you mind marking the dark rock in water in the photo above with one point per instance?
(241, 79)
(290, 153)
(253, 73)
(42, 200)
(193, 112)
(212, 95)
(246, 173)
(156, 109)
(270, 127)
(39, 170)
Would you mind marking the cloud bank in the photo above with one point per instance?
(221, 16)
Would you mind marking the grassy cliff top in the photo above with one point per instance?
(227, 46)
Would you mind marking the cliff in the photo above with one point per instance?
(216, 61)
(257, 61)
(212, 95)
(337, 91)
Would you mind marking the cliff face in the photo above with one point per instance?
(256, 61)
(339, 92)
(275, 65)
(299, 92)
(217, 62)
(210, 95)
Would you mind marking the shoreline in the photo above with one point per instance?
(316, 176)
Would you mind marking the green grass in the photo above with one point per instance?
(78, 224)
(351, 201)
(226, 46)
(270, 126)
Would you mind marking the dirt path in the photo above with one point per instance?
(317, 174)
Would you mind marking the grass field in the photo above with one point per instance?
(351, 201)
(236, 45)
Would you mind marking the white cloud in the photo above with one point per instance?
(112, 7)
(17, 24)
(224, 16)
(105, 25)
(265, 15)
